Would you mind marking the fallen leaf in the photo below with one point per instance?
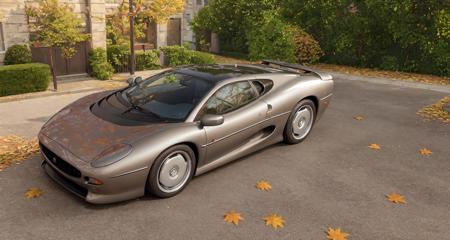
(396, 198)
(425, 151)
(359, 118)
(33, 193)
(233, 217)
(263, 185)
(15, 149)
(336, 234)
(275, 221)
(374, 146)
(436, 111)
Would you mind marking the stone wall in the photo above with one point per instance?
(13, 21)
(14, 24)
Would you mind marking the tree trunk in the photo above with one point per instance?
(52, 68)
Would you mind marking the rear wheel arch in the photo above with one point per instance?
(314, 99)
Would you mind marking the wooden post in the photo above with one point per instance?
(52, 68)
(132, 56)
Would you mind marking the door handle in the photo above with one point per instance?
(269, 109)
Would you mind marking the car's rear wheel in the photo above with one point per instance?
(300, 122)
(171, 171)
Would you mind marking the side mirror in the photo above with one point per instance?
(212, 120)
(132, 81)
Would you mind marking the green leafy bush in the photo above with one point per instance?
(24, 78)
(271, 40)
(147, 60)
(118, 54)
(178, 55)
(119, 57)
(405, 35)
(17, 54)
(100, 67)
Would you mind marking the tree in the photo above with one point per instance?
(159, 11)
(55, 25)
(118, 25)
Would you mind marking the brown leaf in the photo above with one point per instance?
(374, 146)
(396, 198)
(274, 220)
(263, 185)
(425, 151)
(336, 234)
(33, 193)
(359, 118)
(232, 217)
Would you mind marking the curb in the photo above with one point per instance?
(395, 82)
(15, 98)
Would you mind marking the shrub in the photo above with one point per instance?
(24, 78)
(271, 40)
(147, 60)
(117, 54)
(178, 55)
(307, 49)
(17, 54)
(119, 57)
(99, 64)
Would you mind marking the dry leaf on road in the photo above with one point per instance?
(275, 221)
(336, 234)
(233, 217)
(263, 185)
(396, 198)
(425, 151)
(359, 118)
(33, 193)
(374, 146)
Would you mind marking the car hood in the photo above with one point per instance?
(85, 135)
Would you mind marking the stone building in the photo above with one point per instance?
(14, 25)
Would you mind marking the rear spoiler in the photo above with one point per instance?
(295, 67)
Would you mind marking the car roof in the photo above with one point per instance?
(219, 72)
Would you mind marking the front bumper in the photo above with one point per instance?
(70, 173)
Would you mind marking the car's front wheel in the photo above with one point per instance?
(300, 122)
(171, 171)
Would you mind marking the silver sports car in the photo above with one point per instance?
(157, 133)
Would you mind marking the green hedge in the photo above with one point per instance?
(100, 67)
(179, 55)
(24, 78)
(119, 55)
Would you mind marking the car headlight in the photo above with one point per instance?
(111, 155)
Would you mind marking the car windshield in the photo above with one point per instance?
(169, 95)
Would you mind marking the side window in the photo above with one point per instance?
(229, 98)
(2, 39)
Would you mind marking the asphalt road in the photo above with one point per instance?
(330, 180)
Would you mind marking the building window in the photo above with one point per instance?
(2, 39)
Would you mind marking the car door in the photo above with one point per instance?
(243, 112)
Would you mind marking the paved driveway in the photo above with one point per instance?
(330, 180)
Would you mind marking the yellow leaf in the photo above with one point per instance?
(396, 198)
(263, 185)
(275, 221)
(233, 217)
(425, 151)
(359, 118)
(33, 193)
(336, 234)
(374, 146)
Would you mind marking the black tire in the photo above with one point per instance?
(288, 134)
(154, 186)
